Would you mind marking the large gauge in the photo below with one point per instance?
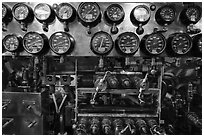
(34, 42)
(191, 14)
(180, 43)
(6, 16)
(89, 14)
(61, 43)
(165, 15)
(114, 15)
(11, 42)
(154, 44)
(127, 43)
(101, 43)
(139, 16)
(44, 14)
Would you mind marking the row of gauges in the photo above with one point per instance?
(89, 14)
(127, 43)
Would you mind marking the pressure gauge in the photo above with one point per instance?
(180, 43)
(20, 11)
(6, 16)
(127, 43)
(34, 42)
(154, 44)
(61, 42)
(191, 14)
(101, 43)
(141, 13)
(11, 42)
(115, 13)
(165, 15)
(197, 45)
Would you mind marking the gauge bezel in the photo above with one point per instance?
(73, 15)
(110, 18)
(118, 48)
(43, 42)
(110, 38)
(163, 39)
(11, 35)
(71, 41)
(18, 5)
(50, 13)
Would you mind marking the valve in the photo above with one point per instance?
(118, 126)
(142, 126)
(81, 128)
(95, 126)
(106, 126)
(155, 129)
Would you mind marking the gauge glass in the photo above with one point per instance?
(4, 10)
(193, 14)
(21, 12)
(128, 42)
(141, 13)
(115, 12)
(167, 14)
(42, 11)
(89, 12)
(11, 43)
(60, 42)
(65, 11)
(33, 42)
(101, 43)
(181, 44)
(155, 43)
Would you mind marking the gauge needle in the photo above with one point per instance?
(101, 43)
(90, 10)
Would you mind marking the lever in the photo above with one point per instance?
(142, 87)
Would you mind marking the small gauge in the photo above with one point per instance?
(33, 42)
(115, 13)
(101, 43)
(61, 42)
(181, 43)
(165, 15)
(197, 45)
(11, 42)
(42, 11)
(155, 43)
(141, 13)
(191, 14)
(65, 11)
(127, 43)
(20, 11)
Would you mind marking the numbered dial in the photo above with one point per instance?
(127, 43)
(115, 13)
(20, 11)
(11, 43)
(61, 42)
(33, 42)
(155, 44)
(42, 11)
(101, 43)
(181, 43)
(141, 13)
(89, 12)
(65, 11)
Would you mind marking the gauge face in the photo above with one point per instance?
(155, 44)
(193, 14)
(89, 11)
(33, 42)
(60, 42)
(101, 43)
(65, 11)
(115, 12)
(11, 43)
(167, 13)
(21, 12)
(181, 44)
(4, 10)
(128, 43)
(141, 13)
(42, 11)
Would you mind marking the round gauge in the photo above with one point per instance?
(6, 14)
(89, 11)
(20, 11)
(65, 11)
(193, 14)
(167, 13)
(33, 42)
(42, 11)
(115, 12)
(4, 11)
(101, 43)
(197, 42)
(61, 42)
(11, 43)
(181, 43)
(141, 13)
(155, 43)
(127, 43)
